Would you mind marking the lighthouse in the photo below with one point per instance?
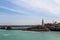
(42, 23)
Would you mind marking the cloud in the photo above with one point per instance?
(48, 5)
(57, 1)
(33, 11)
(16, 10)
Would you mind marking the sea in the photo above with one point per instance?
(28, 35)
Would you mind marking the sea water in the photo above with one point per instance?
(28, 35)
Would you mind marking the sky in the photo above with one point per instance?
(29, 12)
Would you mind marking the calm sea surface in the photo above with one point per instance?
(26, 35)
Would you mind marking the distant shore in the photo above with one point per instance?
(43, 27)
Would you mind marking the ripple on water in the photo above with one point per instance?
(2, 30)
(6, 34)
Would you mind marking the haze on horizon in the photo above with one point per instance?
(27, 12)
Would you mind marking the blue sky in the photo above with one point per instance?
(27, 12)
